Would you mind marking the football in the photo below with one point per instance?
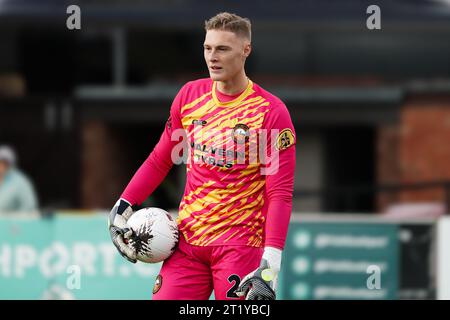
(155, 234)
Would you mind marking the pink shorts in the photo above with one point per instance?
(193, 272)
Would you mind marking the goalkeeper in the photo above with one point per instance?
(234, 214)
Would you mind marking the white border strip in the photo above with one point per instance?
(443, 259)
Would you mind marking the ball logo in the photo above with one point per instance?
(158, 284)
(285, 139)
(241, 133)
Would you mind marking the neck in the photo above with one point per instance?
(235, 85)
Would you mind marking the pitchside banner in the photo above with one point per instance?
(72, 257)
(341, 260)
(67, 257)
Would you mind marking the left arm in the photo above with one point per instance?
(262, 283)
(279, 183)
(279, 190)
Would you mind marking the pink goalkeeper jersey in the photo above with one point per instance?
(238, 187)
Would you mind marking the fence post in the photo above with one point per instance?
(447, 197)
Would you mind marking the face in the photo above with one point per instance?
(225, 54)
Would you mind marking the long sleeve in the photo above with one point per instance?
(155, 168)
(279, 190)
(280, 184)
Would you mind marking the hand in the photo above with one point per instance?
(261, 284)
(119, 230)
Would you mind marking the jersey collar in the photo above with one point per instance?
(248, 91)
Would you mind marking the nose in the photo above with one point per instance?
(212, 56)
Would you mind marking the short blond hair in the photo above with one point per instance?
(230, 22)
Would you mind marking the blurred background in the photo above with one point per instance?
(81, 109)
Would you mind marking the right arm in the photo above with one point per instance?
(146, 179)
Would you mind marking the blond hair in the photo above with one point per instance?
(230, 22)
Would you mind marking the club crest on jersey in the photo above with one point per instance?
(158, 284)
(241, 133)
(285, 139)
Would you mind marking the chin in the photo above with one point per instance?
(217, 77)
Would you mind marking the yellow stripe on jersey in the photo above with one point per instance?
(198, 190)
(254, 187)
(231, 221)
(214, 121)
(223, 118)
(194, 103)
(257, 223)
(229, 215)
(197, 113)
(230, 122)
(248, 111)
(183, 214)
(212, 198)
(233, 115)
(251, 169)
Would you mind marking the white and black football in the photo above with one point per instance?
(155, 234)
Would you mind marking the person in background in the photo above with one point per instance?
(16, 190)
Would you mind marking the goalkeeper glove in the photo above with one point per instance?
(261, 284)
(119, 231)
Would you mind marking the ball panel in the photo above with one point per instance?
(155, 234)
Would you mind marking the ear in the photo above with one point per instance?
(247, 49)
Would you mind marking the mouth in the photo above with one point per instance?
(215, 68)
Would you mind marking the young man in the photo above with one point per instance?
(234, 215)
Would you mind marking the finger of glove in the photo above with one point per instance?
(130, 252)
(113, 213)
(261, 291)
(124, 249)
(118, 221)
(120, 213)
(243, 287)
(251, 295)
(125, 255)
(254, 295)
(127, 233)
(127, 213)
(132, 260)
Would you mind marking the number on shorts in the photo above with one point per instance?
(237, 281)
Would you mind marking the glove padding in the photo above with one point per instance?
(119, 231)
(259, 284)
